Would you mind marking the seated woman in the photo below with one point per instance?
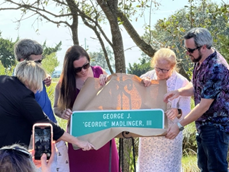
(19, 109)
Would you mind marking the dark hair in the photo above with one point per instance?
(16, 158)
(68, 77)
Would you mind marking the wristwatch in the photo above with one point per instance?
(181, 128)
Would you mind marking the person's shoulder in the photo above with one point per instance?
(181, 77)
(9, 79)
(96, 67)
(148, 74)
(42, 92)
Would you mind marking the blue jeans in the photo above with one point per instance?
(212, 149)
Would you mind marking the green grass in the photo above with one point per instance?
(62, 122)
(189, 164)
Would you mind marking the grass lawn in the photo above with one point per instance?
(189, 164)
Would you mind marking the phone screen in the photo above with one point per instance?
(42, 141)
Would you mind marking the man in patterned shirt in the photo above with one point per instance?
(210, 87)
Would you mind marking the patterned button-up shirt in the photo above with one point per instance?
(211, 81)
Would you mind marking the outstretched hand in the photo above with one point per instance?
(171, 95)
(85, 145)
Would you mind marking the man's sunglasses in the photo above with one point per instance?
(192, 50)
(38, 61)
(79, 69)
(19, 150)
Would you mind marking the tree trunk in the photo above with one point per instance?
(74, 27)
(110, 10)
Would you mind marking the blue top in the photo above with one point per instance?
(211, 81)
(45, 104)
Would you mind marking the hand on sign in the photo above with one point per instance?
(172, 132)
(103, 79)
(172, 113)
(146, 81)
(66, 114)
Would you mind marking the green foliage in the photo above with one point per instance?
(50, 50)
(6, 71)
(170, 31)
(140, 68)
(98, 59)
(50, 62)
(7, 52)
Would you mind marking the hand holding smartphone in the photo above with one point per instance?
(42, 140)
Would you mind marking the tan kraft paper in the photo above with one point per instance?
(121, 92)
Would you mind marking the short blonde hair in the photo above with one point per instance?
(30, 74)
(164, 54)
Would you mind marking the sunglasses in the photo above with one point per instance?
(38, 61)
(162, 70)
(79, 69)
(192, 50)
(19, 150)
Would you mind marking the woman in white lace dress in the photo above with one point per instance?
(159, 154)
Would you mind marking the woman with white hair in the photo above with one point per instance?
(157, 154)
(19, 109)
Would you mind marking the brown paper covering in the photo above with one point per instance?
(121, 92)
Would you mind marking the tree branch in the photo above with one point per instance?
(146, 48)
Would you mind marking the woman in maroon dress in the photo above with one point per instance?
(76, 69)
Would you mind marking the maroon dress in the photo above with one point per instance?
(94, 160)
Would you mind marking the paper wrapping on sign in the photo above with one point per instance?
(121, 92)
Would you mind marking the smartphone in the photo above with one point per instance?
(42, 140)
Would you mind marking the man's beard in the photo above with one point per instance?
(198, 59)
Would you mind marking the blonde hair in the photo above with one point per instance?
(164, 54)
(30, 74)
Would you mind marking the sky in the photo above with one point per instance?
(53, 35)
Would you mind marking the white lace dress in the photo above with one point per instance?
(159, 154)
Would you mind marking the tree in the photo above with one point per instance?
(97, 58)
(50, 62)
(113, 11)
(50, 50)
(8, 61)
(7, 52)
(140, 68)
(170, 31)
(93, 13)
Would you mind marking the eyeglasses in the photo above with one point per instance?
(18, 149)
(162, 70)
(192, 50)
(78, 69)
(38, 61)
